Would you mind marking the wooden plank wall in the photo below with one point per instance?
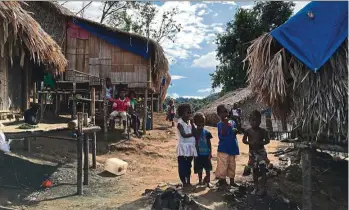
(4, 84)
(99, 58)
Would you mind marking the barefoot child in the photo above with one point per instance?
(256, 137)
(171, 111)
(186, 149)
(227, 148)
(203, 145)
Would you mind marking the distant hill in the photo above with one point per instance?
(197, 104)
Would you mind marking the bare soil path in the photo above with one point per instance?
(152, 162)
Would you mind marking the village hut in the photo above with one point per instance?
(301, 69)
(95, 49)
(245, 100)
(25, 49)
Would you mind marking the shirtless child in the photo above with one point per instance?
(256, 137)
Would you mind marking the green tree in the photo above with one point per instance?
(140, 18)
(246, 26)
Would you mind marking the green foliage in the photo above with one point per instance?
(139, 17)
(232, 44)
(197, 104)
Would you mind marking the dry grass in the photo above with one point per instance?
(318, 101)
(22, 35)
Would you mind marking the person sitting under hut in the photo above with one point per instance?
(120, 108)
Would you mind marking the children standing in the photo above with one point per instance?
(227, 148)
(203, 144)
(186, 149)
(256, 137)
(171, 111)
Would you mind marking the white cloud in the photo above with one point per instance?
(194, 97)
(210, 90)
(208, 60)
(206, 90)
(299, 5)
(247, 6)
(175, 95)
(177, 77)
(202, 12)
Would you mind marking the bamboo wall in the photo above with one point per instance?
(95, 56)
(11, 85)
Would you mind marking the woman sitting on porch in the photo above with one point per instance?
(120, 108)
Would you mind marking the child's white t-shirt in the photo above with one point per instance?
(186, 146)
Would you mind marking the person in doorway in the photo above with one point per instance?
(134, 116)
(120, 108)
(186, 148)
(228, 148)
(171, 111)
(108, 89)
(203, 144)
(257, 137)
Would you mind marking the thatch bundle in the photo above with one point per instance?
(22, 35)
(317, 100)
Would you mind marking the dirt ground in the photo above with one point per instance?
(152, 162)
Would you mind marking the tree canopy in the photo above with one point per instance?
(247, 25)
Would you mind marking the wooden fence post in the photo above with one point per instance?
(306, 178)
(105, 107)
(93, 121)
(79, 154)
(145, 111)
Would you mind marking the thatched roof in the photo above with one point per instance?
(318, 101)
(159, 59)
(22, 35)
(243, 97)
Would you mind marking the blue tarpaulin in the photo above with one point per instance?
(131, 44)
(315, 32)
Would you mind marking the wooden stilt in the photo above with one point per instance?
(79, 154)
(94, 136)
(56, 104)
(34, 93)
(74, 101)
(152, 109)
(307, 182)
(105, 106)
(86, 160)
(41, 98)
(145, 111)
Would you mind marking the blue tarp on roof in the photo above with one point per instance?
(315, 32)
(131, 44)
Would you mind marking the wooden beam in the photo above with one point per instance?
(79, 154)
(145, 111)
(41, 98)
(86, 160)
(152, 110)
(35, 94)
(105, 106)
(306, 179)
(93, 121)
(74, 101)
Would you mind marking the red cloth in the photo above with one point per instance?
(74, 31)
(121, 105)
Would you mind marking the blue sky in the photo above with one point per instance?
(192, 56)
